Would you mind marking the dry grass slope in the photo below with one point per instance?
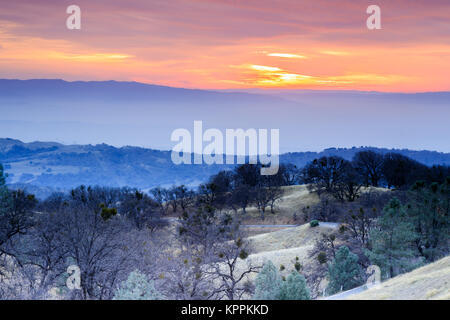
(431, 282)
(301, 236)
(283, 246)
(294, 199)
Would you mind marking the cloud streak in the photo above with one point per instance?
(193, 43)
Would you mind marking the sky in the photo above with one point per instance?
(232, 44)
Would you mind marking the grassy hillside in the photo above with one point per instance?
(429, 282)
(293, 200)
(284, 248)
(290, 238)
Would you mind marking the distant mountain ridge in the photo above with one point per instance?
(121, 113)
(48, 166)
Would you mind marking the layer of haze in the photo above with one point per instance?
(125, 113)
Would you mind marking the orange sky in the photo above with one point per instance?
(222, 44)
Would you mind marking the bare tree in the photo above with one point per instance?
(184, 272)
(349, 186)
(370, 165)
(241, 197)
(327, 209)
(275, 194)
(94, 243)
(141, 209)
(360, 223)
(15, 216)
(262, 200)
(323, 251)
(324, 174)
(42, 254)
(184, 197)
(213, 256)
(290, 174)
(232, 269)
(160, 196)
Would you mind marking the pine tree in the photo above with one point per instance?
(294, 288)
(137, 287)
(344, 272)
(392, 240)
(429, 212)
(268, 283)
(270, 286)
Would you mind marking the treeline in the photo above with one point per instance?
(344, 179)
(236, 189)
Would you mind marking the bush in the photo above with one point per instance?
(137, 287)
(314, 223)
(108, 213)
(243, 254)
(322, 257)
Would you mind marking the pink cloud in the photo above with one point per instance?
(174, 41)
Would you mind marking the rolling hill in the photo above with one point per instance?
(431, 282)
(46, 166)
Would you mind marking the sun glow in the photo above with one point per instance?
(265, 68)
(286, 55)
(269, 76)
(224, 51)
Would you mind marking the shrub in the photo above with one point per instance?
(108, 213)
(243, 254)
(322, 257)
(314, 223)
(137, 287)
